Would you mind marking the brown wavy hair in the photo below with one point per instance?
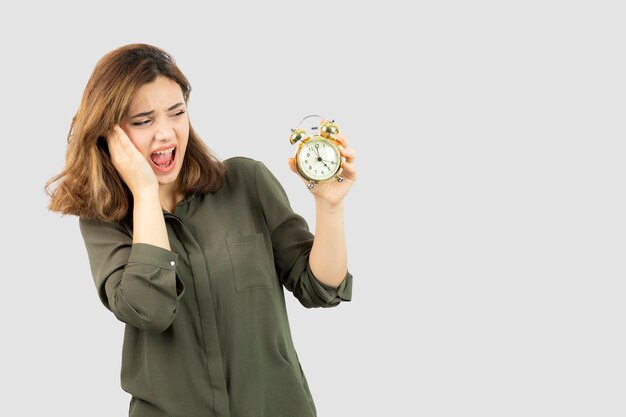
(89, 186)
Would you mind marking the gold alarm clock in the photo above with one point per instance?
(318, 157)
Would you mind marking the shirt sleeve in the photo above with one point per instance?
(137, 282)
(292, 242)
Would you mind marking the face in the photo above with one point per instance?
(158, 125)
(319, 159)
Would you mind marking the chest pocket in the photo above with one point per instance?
(251, 261)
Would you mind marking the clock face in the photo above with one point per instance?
(319, 159)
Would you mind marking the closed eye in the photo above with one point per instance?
(145, 122)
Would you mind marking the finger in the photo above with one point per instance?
(115, 150)
(349, 153)
(123, 138)
(349, 171)
(341, 138)
(108, 140)
(113, 139)
(292, 165)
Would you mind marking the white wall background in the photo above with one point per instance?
(486, 232)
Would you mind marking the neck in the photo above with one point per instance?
(169, 197)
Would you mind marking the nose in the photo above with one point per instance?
(164, 132)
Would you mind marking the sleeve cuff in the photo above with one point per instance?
(146, 253)
(331, 295)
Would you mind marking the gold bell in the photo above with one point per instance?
(296, 135)
(329, 130)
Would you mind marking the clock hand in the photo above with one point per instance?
(319, 158)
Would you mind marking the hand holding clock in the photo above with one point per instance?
(325, 162)
(333, 192)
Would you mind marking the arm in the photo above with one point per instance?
(292, 243)
(148, 220)
(136, 281)
(328, 257)
(135, 277)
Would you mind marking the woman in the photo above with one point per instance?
(193, 253)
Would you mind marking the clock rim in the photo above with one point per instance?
(333, 142)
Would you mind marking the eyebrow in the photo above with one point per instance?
(148, 113)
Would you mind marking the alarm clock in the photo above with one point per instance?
(318, 156)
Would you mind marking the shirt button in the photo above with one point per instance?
(172, 263)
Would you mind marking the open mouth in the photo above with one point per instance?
(163, 159)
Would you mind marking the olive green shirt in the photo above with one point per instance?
(207, 333)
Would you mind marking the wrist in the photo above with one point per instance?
(146, 194)
(331, 207)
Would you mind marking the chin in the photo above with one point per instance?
(167, 180)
